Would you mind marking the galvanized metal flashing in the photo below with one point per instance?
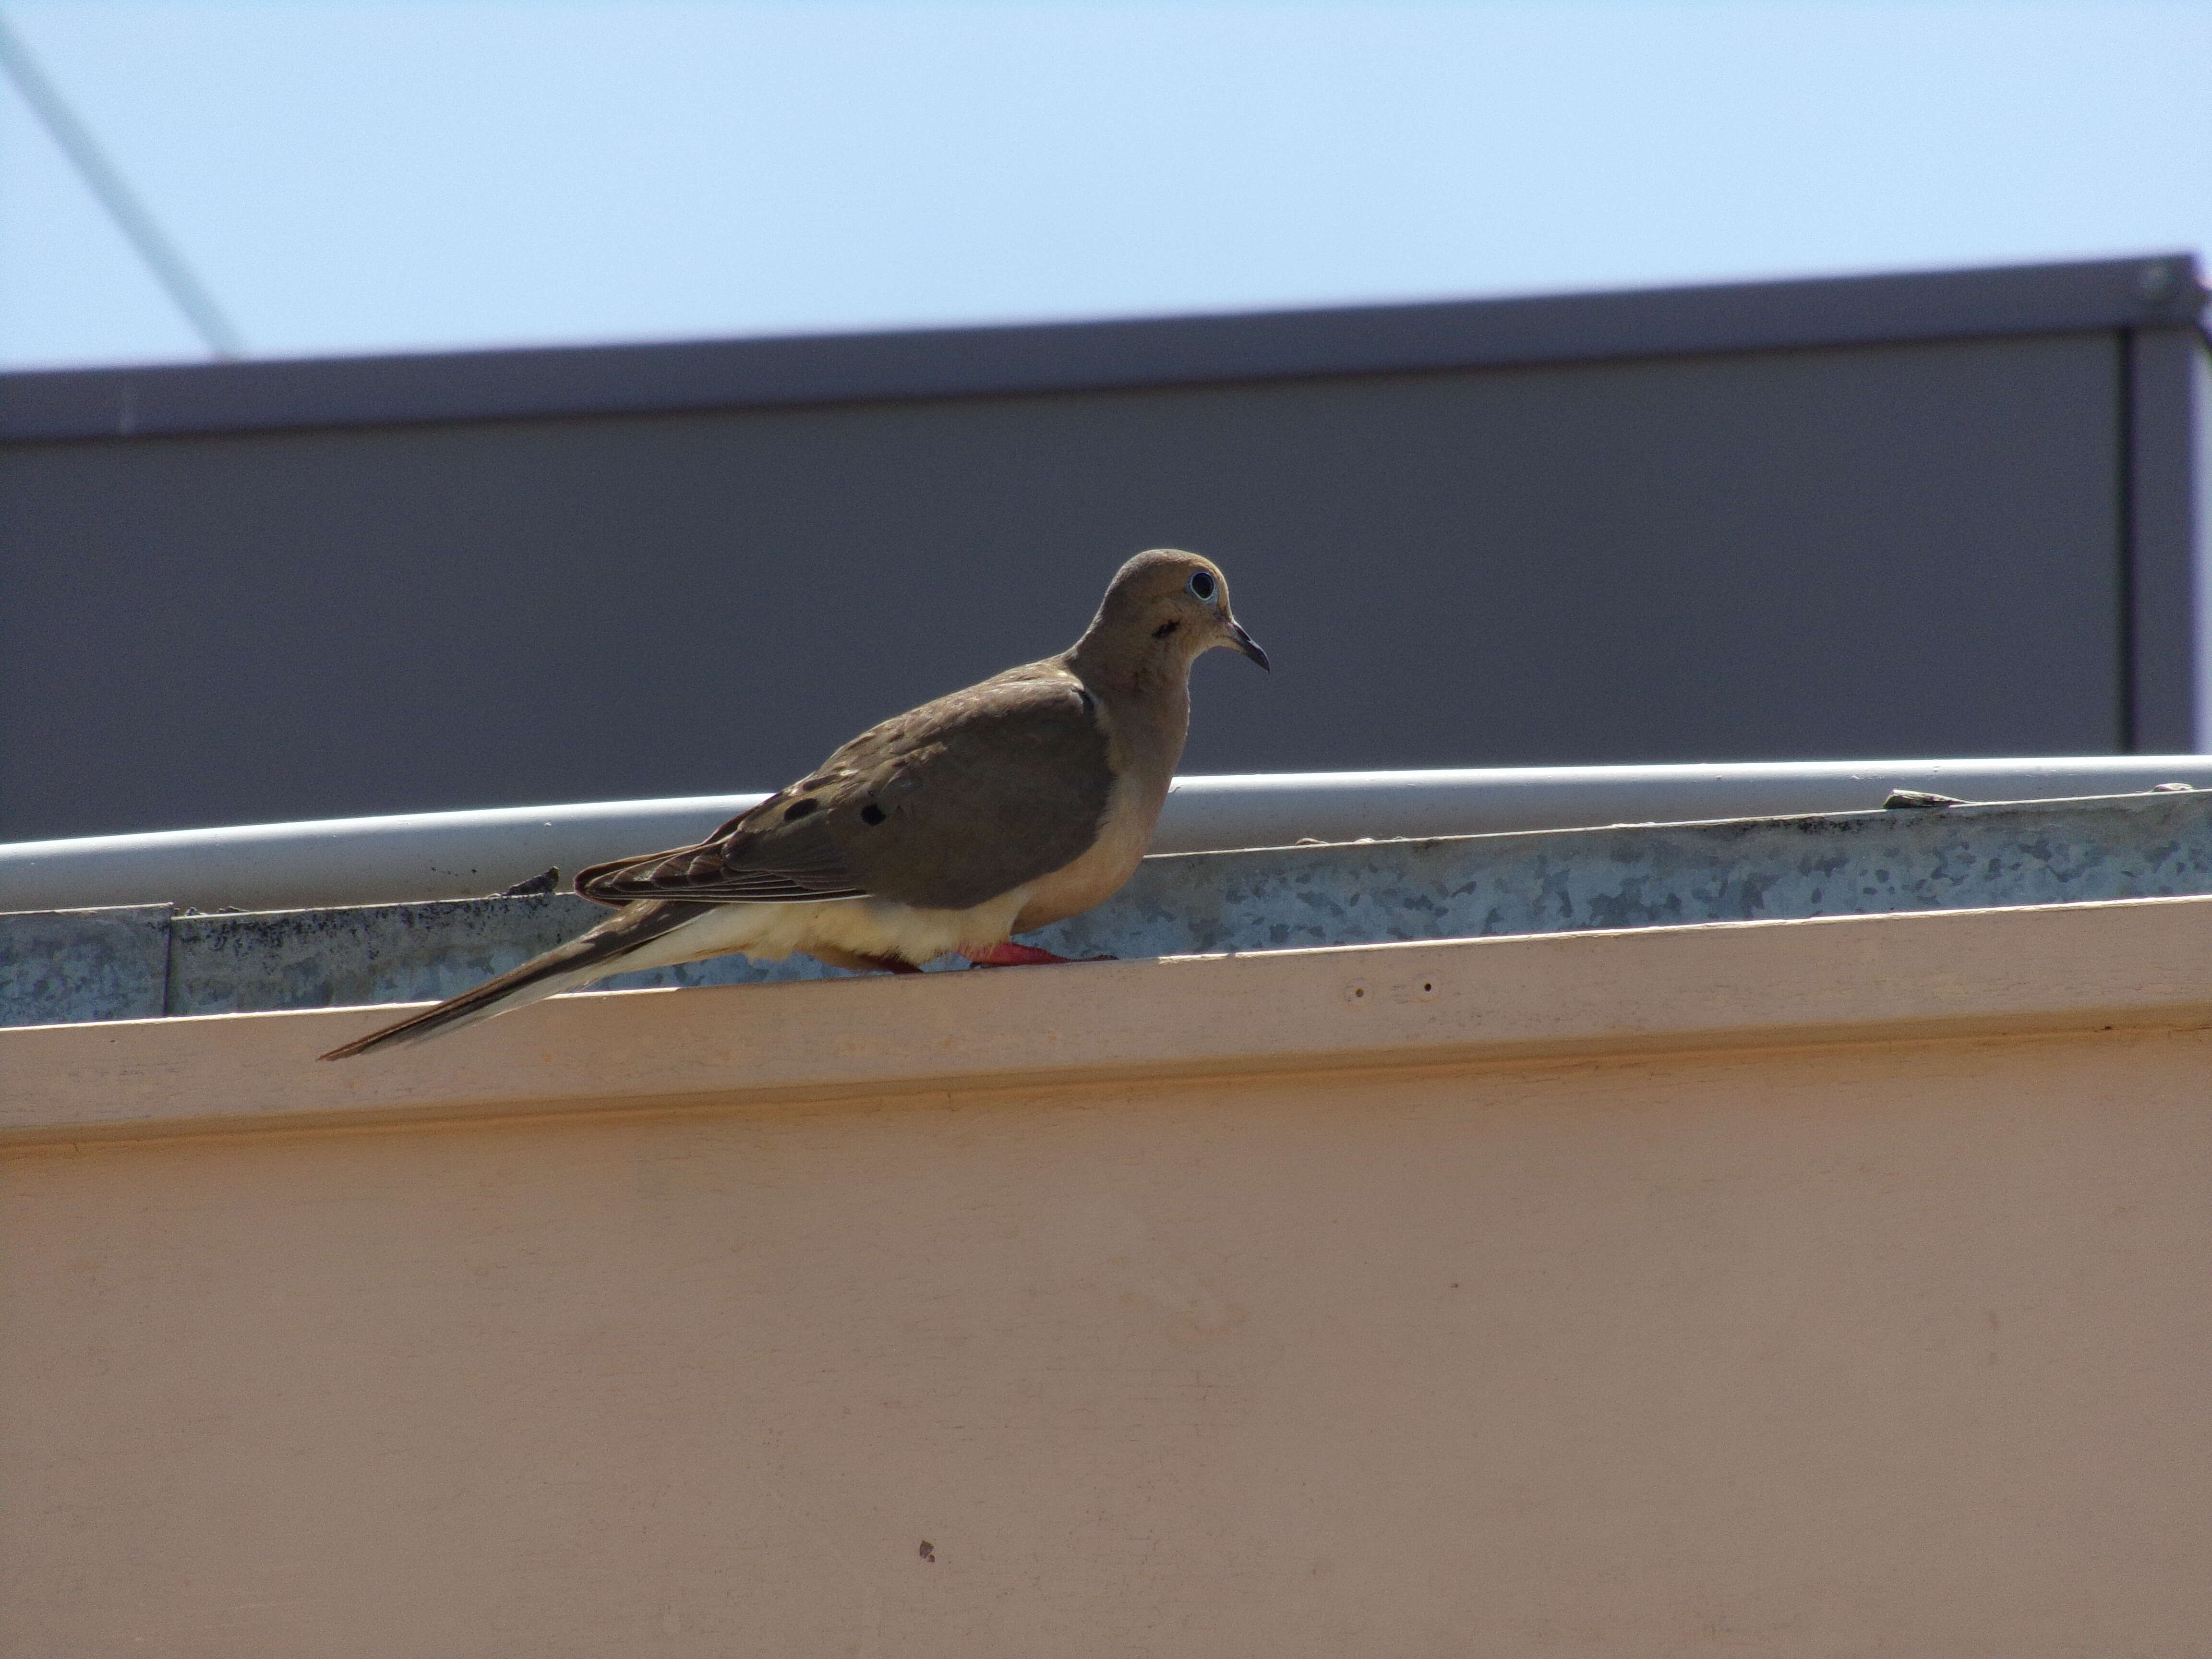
(59, 967)
(1656, 875)
(221, 964)
(145, 961)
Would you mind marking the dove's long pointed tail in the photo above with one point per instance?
(582, 959)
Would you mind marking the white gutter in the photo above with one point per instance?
(340, 862)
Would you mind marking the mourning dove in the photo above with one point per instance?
(1002, 808)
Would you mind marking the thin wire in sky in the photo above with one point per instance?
(101, 177)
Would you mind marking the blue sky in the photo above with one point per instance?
(360, 178)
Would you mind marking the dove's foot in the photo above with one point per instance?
(1010, 955)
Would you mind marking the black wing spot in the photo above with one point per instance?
(1089, 703)
(799, 809)
(872, 813)
(1166, 629)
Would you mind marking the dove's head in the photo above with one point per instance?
(1162, 609)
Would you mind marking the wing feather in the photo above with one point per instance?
(960, 800)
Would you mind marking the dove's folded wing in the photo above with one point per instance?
(954, 804)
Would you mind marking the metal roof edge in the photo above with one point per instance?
(2159, 290)
(433, 856)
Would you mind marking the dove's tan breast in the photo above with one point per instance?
(1123, 835)
(1143, 754)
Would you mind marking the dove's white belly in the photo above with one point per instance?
(855, 927)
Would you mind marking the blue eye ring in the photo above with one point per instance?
(1203, 585)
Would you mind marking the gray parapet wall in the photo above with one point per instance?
(151, 960)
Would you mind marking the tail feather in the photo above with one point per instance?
(582, 959)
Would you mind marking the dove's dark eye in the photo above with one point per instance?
(1202, 584)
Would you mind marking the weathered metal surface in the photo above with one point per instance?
(394, 953)
(67, 966)
(59, 967)
(1654, 875)
(221, 964)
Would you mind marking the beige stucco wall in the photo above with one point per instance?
(1821, 1289)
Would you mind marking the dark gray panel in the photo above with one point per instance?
(2166, 548)
(1905, 550)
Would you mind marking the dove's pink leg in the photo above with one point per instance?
(1010, 955)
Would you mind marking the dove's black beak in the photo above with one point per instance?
(1245, 643)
